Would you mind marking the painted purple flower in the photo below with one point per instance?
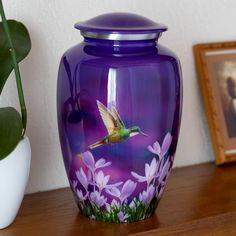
(163, 149)
(115, 203)
(108, 207)
(89, 161)
(164, 170)
(73, 184)
(81, 196)
(150, 172)
(83, 179)
(122, 217)
(132, 205)
(162, 175)
(98, 199)
(109, 186)
(160, 192)
(147, 196)
(102, 163)
(101, 180)
(127, 189)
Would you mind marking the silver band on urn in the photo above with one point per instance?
(120, 36)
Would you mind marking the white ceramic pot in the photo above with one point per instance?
(14, 174)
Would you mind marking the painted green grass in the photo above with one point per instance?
(136, 213)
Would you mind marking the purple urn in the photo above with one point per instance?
(119, 102)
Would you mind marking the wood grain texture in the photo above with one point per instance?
(220, 225)
(199, 200)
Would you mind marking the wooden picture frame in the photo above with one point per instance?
(216, 67)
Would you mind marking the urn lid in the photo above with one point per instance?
(120, 26)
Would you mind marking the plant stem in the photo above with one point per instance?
(16, 69)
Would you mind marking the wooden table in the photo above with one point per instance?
(199, 200)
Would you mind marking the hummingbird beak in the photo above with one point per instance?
(144, 134)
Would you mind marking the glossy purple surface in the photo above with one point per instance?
(142, 80)
(120, 23)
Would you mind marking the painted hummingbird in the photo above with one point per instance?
(117, 132)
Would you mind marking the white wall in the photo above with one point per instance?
(50, 23)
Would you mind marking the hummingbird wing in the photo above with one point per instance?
(107, 117)
(116, 115)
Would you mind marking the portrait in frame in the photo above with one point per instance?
(216, 67)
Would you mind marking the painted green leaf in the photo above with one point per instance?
(21, 42)
(10, 130)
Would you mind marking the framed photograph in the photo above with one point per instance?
(216, 67)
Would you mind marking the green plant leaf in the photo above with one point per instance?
(10, 130)
(21, 43)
